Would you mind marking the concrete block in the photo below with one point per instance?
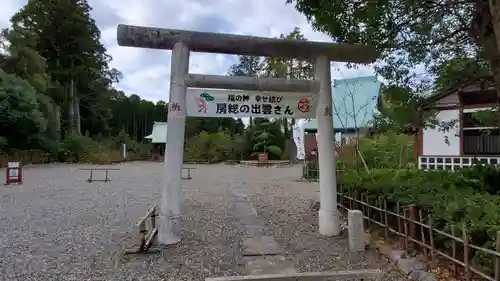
(407, 265)
(421, 275)
(356, 231)
(395, 255)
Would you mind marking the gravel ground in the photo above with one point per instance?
(57, 226)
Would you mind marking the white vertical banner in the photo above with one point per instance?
(124, 151)
(338, 139)
(298, 137)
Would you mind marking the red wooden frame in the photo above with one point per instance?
(18, 179)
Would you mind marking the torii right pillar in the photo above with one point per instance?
(329, 219)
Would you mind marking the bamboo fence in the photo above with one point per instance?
(414, 230)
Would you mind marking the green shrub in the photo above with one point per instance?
(384, 151)
(78, 148)
(453, 198)
(25, 157)
(75, 148)
(212, 147)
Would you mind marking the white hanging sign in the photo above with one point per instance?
(298, 137)
(236, 103)
(124, 151)
(14, 173)
(13, 165)
(13, 169)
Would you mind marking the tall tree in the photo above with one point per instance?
(22, 60)
(22, 124)
(460, 71)
(250, 66)
(247, 66)
(408, 33)
(68, 38)
(289, 68)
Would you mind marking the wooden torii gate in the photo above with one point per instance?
(181, 42)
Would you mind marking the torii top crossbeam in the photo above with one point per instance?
(162, 38)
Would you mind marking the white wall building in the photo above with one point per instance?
(463, 138)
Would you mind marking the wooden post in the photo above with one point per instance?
(350, 198)
(405, 212)
(368, 210)
(497, 259)
(453, 250)
(142, 234)
(153, 219)
(146, 236)
(465, 238)
(341, 189)
(355, 205)
(413, 217)
(364, 209)
(381, 213)
(386, 220)
(398, 211)
(431, 239)
(422, 233)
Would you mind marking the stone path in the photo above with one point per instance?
(262, 254)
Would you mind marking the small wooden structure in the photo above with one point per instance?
(14, 173)
(188, 173)
(106, 178)
(362, 274)
(263, 159)
(147, 231)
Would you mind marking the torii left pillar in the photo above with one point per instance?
(170, 209)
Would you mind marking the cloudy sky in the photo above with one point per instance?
(146, 72)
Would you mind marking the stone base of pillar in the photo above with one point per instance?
(329, 222)
(356, 231)
(167, 234)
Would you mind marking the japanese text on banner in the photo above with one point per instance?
(224, 103)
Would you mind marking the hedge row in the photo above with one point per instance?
(453, 198)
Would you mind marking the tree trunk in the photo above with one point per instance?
(57, 123)
(71, 108)
(494, 42)
(284, 122)
(78, 124)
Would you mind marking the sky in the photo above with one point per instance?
(146, 72)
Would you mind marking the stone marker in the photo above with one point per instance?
(356, 231)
